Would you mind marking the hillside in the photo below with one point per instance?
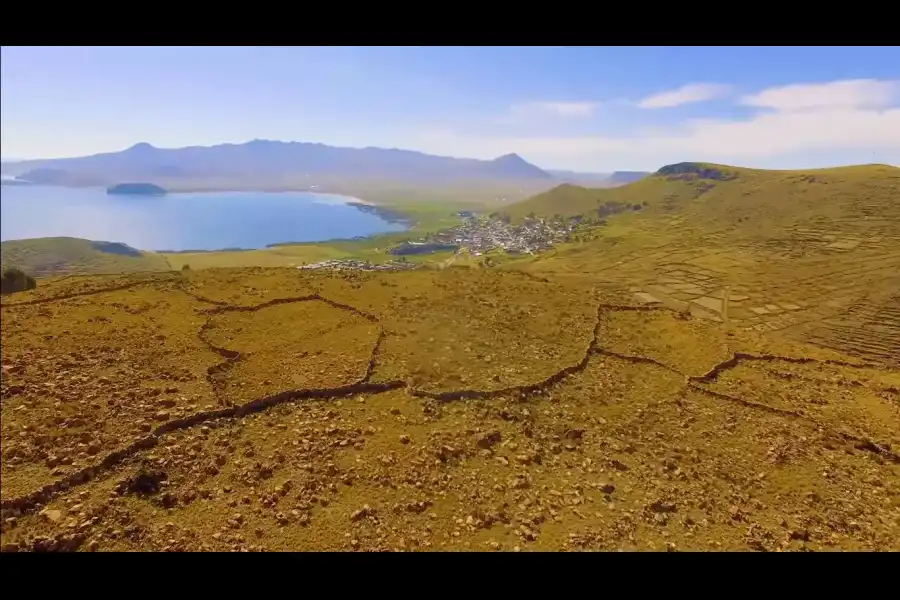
(724, 196)
(455, 409)
(812, 254)
(718, 369)
(271, 163)
(62, 255)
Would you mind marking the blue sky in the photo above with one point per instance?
(580, 108)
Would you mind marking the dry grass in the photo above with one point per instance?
(61, 255)
(546, 404)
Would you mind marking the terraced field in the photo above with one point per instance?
(687, 387)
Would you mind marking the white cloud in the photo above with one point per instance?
(853, 93)
(854, 123)
(686, 94)
(558, 109)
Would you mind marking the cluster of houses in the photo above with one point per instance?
(351, 264)
(476, 234)
(483, 234)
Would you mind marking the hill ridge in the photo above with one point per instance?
(274, 159)
(677, 184)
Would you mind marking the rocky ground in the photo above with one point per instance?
(462, 409)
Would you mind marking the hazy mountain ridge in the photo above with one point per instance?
(267, 159)
(599, 179)
(622, 177)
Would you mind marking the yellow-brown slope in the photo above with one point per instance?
(720, 197)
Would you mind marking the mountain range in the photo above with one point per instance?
(599, 179)
(276, 164)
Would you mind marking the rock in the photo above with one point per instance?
(607, 488)
(446, 452)
(161, 416)
(488, 439)
(574, 434)
(362, 513)
(519, 482)
(661, 506)
(404, 439)
(52, 515)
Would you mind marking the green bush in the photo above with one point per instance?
(16, 280)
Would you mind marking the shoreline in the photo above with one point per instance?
(411, 218)
(388, 214)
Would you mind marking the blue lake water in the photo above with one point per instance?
(190, 221)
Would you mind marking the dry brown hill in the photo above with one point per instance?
(665, 383)
(719, 196)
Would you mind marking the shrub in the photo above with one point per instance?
(16, 280)
(187, 273)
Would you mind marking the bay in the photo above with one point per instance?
(183, 221)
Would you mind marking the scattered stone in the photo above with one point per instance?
(662, 507)
(489, 439)
(52, 515)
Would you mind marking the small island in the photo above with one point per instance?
(136, 189)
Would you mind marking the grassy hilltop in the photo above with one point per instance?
(65, 255)
(722, 195)
(714, 367)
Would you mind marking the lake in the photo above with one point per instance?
(189, 221)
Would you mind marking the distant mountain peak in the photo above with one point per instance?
(510, 158)
(141, 147)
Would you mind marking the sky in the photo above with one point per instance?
(593, 109)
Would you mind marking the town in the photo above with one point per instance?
(352, 264)
(478, 235)
(484, 234)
